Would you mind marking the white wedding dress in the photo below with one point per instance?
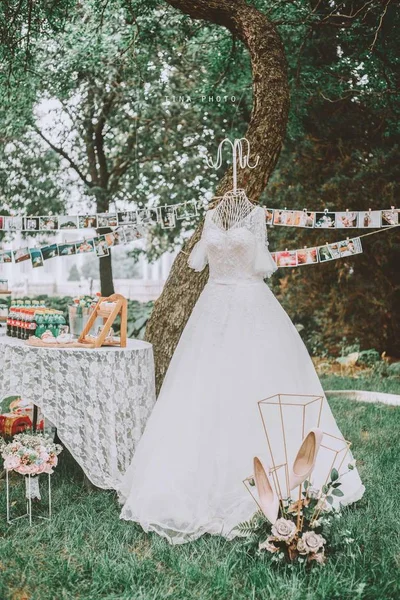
(238, 347)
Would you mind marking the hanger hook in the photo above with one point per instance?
(238, 157)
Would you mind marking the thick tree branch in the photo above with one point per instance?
(89, 135)
(61, 152)
(266, 131)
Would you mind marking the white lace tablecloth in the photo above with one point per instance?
(99, 400)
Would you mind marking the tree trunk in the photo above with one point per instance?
(265, 133)
(105, 264)
(106, 275)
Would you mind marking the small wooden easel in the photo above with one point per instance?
(108, 309)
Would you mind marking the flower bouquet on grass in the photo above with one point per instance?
(30, 455)
(302, 530)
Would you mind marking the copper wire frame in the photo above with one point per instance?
(273, 470)
(303, 406)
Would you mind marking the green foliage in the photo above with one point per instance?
(130, 113)
(368, 357)
(138, 316)
(341, 151)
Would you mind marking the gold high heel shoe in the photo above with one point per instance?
(305, 459)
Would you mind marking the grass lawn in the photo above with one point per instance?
(86, 552)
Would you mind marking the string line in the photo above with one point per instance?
(328, 243)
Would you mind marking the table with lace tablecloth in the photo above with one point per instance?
(99, 399)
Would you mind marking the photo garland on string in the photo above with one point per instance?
(6, 257)
(168, 215)
(390, 218)
(123, 235)
(318, 254)
(50, 251)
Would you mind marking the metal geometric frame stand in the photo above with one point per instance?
(342, 445)
(278, 400)
(28, 501)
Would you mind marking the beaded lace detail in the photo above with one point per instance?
(236, 254)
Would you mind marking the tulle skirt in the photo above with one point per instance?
(239, 347)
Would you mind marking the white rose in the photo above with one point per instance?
(324, 506)
(319, 557)
(284, 530)
(316, 523)
(301, 547)
(313, 492)
(311, 542)
(268, 546)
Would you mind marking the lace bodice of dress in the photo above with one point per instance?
(238, 254)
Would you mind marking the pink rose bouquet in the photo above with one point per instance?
(29, 454)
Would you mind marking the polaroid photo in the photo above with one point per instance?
(153, 215)
(67, 249)
(390, 217)
(345, 248)
(325, 220)
(346, 220)
(284, 217)
(286, 258)
(119, 236)
(141, 215)
(50, 251)
(324, 253)
(85, 247)
(101, 246)
(14, 223)
(307, 256)
(132, 234)
(269, 216)
(186, 210)
(107, 220)
(168, 217)
(36, 257)
(48, 223)
(6, 257)
(67, 222)
(128, 217)
(369, 218)
(87, 222)
(31, 223)
(303, 218)
(110, 238)
(148, 215)
(21, 254)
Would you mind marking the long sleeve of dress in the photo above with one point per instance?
(198, 256)
(264, 263)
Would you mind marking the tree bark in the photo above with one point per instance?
(105, 264)
(106, 275)
(265, 133)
